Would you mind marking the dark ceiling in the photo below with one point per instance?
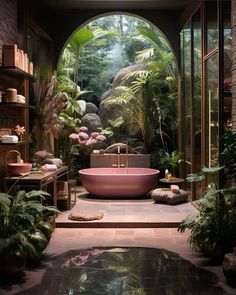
(114, 4)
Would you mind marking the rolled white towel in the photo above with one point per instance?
(49, 167)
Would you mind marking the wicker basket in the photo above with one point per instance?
(12, 156)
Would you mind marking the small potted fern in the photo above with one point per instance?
(172, 160)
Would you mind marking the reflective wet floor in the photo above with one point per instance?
(124, 271)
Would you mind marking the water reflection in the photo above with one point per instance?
(125, 271)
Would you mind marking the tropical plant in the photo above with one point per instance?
(150, 100)
(72, 57)
(160, 49)
(24, 229)
(69, 117)
(97, 63)
(49, 102)
(228, 155)
(213, 227)
(171, 160)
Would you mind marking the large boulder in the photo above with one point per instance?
(113, 111)
(91, 121)
(106, 94)
(119, 77)
(91, 108)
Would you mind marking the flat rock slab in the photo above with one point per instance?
(85, 215)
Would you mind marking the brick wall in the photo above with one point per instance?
(233, 3)
(8, 23)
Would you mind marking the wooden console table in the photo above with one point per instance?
(46, 181)
(172, 180)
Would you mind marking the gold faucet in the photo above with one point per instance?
(127, 155)
(118, 156)
(119, 164)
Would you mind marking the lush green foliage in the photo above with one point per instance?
(171, 160)
(24, 230)
(49, 102)
(151, 101)
(104, 57)
(213, 228)
(228, 156)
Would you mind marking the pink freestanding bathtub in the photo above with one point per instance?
(119, 182)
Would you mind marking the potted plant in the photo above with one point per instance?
(213, 227)
(172, 160)
(24, 229)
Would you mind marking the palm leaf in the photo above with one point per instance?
(136, 74)
(204, 203)
(212, 169)
(144, 54)
(195, 177)
(80, 38)
(188, 222)
(152, 36)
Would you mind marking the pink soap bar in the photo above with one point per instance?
(174, 188)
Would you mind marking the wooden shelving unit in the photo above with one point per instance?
(15, 105)
(12, 114)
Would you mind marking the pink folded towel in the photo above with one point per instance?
(49, 167)
(174, 188)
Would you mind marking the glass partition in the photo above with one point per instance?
(206, 93)
(187, 95)
(212, 110)
(227, 87)
(197, 99)
(211, 26)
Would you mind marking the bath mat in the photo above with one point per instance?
(85, 215)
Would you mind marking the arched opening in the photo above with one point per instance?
(120, 75)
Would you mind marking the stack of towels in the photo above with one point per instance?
(20, 98)
(9, 139)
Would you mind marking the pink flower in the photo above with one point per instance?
(73, 136)
(83, 142)
(83, 136)
(94, 134)
(101, 137)
(83, 129)
(91, 141)
(42, 154)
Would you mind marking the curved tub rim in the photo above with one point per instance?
(152, 171)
